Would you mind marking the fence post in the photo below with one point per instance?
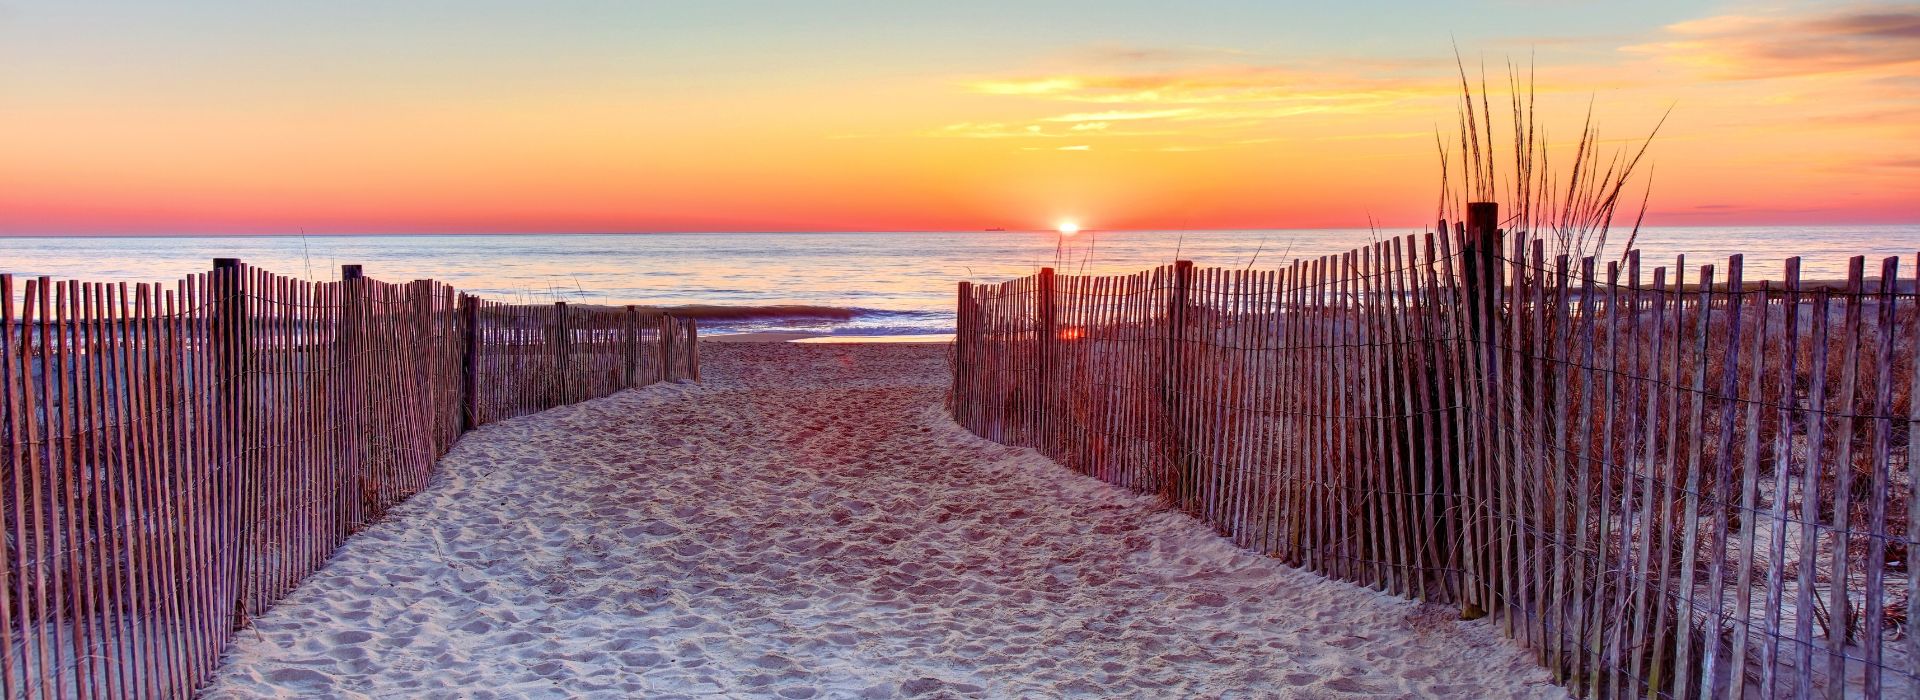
(962, 357)
(470, 363)
(1171, 360)
(1177, 313)
(1049, 334)
(693, 349)
(353, 305)
(630, 342)
(663, 361)
(1480, 260)
(228, 333)
(229, 325)
(562, 359)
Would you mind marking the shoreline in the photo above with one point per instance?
(824, 338)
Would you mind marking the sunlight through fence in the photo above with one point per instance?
(1688, 486)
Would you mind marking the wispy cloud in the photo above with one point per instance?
(1216, 104)
(1075, 148)
(1873, 38)
(1897, 117)
(1120, 115)
(992, 130)
(1379, 136)
(1039, 86)
(1047, 128)
(1216, 85)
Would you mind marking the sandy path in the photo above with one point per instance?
(808, 523)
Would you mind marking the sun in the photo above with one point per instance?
(1068, 227)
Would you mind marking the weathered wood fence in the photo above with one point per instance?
(176, 458)
(1692, 485)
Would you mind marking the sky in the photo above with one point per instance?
(356, 116)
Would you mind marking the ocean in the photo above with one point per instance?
(852, 283)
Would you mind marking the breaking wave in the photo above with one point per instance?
(834, 320)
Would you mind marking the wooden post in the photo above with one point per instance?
(693, 349)
(1480, 261)
(1171, 363)
(630, 342)
(664, 339)
(561, 359)
(470, 362)
(228, 335)
(1047, 334)
(347, 498)
(962, 356)
(1177, 305)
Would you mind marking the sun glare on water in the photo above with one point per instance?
(1068, 228)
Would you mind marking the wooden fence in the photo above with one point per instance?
(176, 458)
(1689, 486)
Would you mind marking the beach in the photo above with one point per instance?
(808, 522)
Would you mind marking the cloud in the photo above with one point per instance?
(1120, 115)
(1384, 136)
(1873, 38)
(1205, 103)
(1041, 86)
(1217, 85)
(1049, 128)
(1225, 102)
(1075, 148)
(992, 130)
(1897, 117)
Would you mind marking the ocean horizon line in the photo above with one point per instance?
(803, 232)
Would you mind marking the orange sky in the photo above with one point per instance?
(217, 117)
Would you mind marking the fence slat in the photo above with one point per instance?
(1749, 508)
(1879, 456)
(1912, 666)
(1839, 607)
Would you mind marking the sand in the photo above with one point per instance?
(809, 523)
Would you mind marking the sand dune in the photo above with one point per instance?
(808, 523)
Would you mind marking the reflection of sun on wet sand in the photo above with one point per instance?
(809, 523)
